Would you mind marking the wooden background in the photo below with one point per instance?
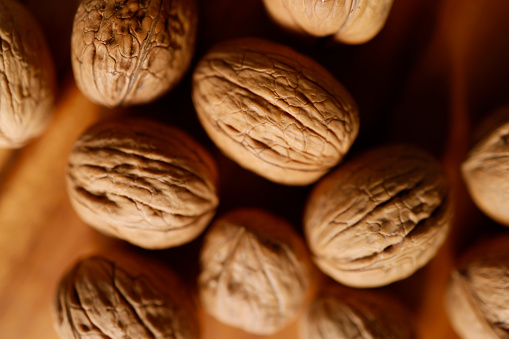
(429, 78)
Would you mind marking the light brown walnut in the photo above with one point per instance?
(123, 298)
(350, 21)
(379, 217)
(27, 77)
(255, 271)
(132, 51)
(144, 182)
(274, 111)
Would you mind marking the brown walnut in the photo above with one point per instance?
(123, 298)
(147, 183)
(255, 271)
(379, 217)
(27, 76)
(132, 51)
(274, 111)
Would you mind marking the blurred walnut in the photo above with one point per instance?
(120, 299)
(378, 218)
(143, 182)
(478, 293)
(255, 271)
(274, 111)
(132, 51)
(27, 76)
(350, 21)
(339, 313)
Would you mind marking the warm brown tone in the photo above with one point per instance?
(143, 182)
(27, 76)
(255, 271)
(350, 21)
(124, 298)
(274, 111)
(339, 313)
(132, 52)
(380, 217)
(478, 294)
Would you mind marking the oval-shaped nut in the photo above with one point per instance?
(477, 299)
(132, 51)
(27, 76)
(147, 183)
(100, 298)
(380, 217)
(274, 111)
(255, 271)
(344, 313)
(351, 21)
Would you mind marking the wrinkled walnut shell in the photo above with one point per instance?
(274, 111)
(350, 21)
(147, 183)
(255, 271)
(27, 76)
(100, 298)
(378, 218)
(132, 52)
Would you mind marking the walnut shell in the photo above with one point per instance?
(274, 111)
(100, 298)
(344, 313)
(143, 182)
(27, 76)
(255, 271)
(350, 21)
(477, 299)
(132, 51)
(380, 217)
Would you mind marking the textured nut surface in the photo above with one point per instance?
(100, 298)
(274, 111)
(254, 271)
(143, 182)
(132, 51)
(379, 217)
(27, 76)
(341, 313)
(478, 293)
(351, 21)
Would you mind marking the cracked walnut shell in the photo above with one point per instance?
(255, 271)
(103, 298)
(143, 182)
(27, 76)
(274, 111)
(132, 51)
(379, 217)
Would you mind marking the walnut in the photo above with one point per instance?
(352, 22)
(143, 182)
(274, 111)
(27, 75)
(380, 217)
(477, 298)
(344, 313)
(100, 298)
(132, 51)
(255, 271)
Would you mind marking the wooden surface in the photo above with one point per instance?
(431, 75)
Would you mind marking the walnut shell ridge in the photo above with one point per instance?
(101, 298)
(379, 217)
(349, 21)
(149, 184)
(27, 76)
(132, 51)
(255, 271)
(274, 111)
